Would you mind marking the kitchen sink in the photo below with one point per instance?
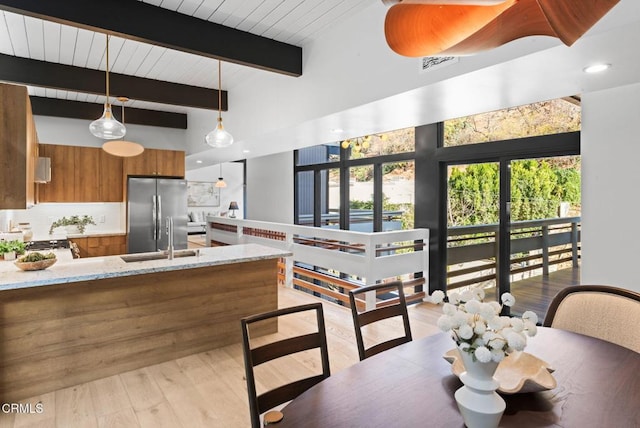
(156, 256)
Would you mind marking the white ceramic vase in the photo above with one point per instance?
(478, 402)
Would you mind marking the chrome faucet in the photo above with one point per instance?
(170, 237)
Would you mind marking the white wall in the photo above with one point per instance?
(270, 188)
(610, 202)
(232, 172)
(109, 217)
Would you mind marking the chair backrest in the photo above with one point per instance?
(264, 353)
(396, 307)
(600, 311)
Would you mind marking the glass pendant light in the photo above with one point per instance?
(123, 148)
(219, 138)
(107, 127)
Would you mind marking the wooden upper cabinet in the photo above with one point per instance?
(81, 174)
(111, 177)
(18, 148)
(154, 162)
(170, 163)
(143, 164)
(88, 174)
(61, 188)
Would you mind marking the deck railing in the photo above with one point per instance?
(330, 262)
(536, 245)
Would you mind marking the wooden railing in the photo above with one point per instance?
(535, 245)
(330, 262)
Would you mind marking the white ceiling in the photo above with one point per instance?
(290, 21)
(523, 71)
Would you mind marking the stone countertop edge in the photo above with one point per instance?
(93, 268)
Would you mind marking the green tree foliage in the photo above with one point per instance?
(473, 194)
(537, 188)
(568, 185)
(406, 217)
(532, 190)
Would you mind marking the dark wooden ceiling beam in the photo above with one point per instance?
(154, 25)
(91, 111)
(66, 77)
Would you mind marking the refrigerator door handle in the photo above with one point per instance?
(154, 217)
(159, 218)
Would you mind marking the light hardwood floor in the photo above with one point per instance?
(201, 390)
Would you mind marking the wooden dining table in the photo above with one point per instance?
(412, 385)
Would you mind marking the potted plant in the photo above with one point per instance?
(75, 221)
(10, 249)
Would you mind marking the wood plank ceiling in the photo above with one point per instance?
(43, 43)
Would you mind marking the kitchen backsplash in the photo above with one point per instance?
(109, 217)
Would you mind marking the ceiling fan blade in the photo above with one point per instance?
(422, 30)
(429, 29)
(570, 19)
(446, 2)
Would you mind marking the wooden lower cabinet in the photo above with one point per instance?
(97, 246)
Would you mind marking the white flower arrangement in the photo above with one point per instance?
(478, 328)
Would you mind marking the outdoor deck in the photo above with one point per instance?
(535, 294)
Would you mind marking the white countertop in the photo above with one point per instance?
(68, 270)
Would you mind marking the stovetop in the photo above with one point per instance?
(47, 245)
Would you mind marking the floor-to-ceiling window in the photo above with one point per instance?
(480, 172)
(364, 184)
(512, 186)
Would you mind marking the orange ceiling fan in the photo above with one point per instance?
(463, 27)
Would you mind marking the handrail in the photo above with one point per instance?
(555, 238)
(360, 258)
(494, 227)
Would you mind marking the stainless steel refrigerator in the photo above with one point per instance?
(150, 202)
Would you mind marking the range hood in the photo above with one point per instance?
(43, 170)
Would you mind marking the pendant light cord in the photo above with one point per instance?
(219, 91)
(108, 70)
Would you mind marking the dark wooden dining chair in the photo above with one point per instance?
(396, 307)
(253, 357)
(600, 311)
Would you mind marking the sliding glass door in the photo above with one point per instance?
(473, 212)
(544, 224)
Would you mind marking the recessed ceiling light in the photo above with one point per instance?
(337, 130)
(246, 151)
(596, 68)
(198, 161)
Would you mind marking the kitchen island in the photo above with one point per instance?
(86, 319)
